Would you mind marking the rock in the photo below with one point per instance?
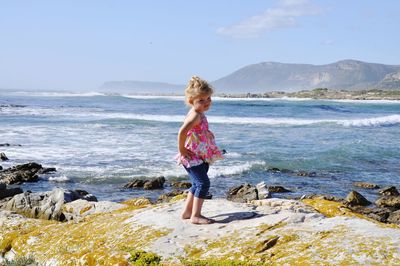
(355, 198)
(242, 193)
(262, 191)
(78, 209)
(266, 244)
(6, 193)
(389, 201)
(136, 183)
(390, 191)
(157, 183)
(181, 184)
(377, 213)
(278, 189)
(20, 173)
(3, 156)
(47, 170)
(304, 173)
(2, 186)
(4, 144)
(1, 167)
(168, 196)
(394, 217)
(45, 205)
(366, 185)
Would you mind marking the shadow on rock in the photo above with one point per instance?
(235, 216)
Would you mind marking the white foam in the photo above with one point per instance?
(226, 170)
(59, 179)
(374, 121)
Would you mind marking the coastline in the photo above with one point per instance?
(324, 94)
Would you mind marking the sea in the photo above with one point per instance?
(99, 142)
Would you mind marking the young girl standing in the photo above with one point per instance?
(197, 149)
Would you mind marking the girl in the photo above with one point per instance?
(197, 149)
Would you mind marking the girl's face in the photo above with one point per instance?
(202, 102)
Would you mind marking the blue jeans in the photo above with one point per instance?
(200, 181)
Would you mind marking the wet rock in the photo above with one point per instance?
(184, 185)
(1, 167)
(2, 186)
(4, 144)
(366, 185)
(157, 183)
(304, 173)
(278, 170)
(354, 198)
(278, 189)
(10, 192)
(45, 205)
(136, 183)
(3, 156)
(389, 201)
(242, 193)
(390, 191)
(20, 173)
(47, 170)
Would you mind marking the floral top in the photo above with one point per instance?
(201, 142)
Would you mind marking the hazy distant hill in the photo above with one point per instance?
(346, 74)
(273, 76)
(129, 86)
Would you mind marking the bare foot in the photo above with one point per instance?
(201, 220)
(186, 215)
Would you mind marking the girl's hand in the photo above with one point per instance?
(186, 152)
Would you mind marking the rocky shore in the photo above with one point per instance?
(327, 94)
(63, 227)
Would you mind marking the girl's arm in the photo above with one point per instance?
(191, 120)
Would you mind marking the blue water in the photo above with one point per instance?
(99, 142)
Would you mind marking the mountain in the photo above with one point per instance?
(140, 87)
(346, 74)
(274, 76)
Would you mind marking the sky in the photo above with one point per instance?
(79, 45)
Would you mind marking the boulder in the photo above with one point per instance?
(45, 205)
(278, 189)
(366, 185)
(242, 193)
(168, 196)
(389, 201)
(354, 198)
(390, 191)
(181, 185)
(394, 217)
(20, 173)
(3, 156)
(156, 183)
(10, 192)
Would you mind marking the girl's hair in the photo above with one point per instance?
(196, 87)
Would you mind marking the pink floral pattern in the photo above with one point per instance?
(201, 141)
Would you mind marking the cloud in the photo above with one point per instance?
(282, 16)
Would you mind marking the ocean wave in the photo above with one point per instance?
(58, 94)
(374, 121)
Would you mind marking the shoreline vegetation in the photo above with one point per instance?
(324, 93)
